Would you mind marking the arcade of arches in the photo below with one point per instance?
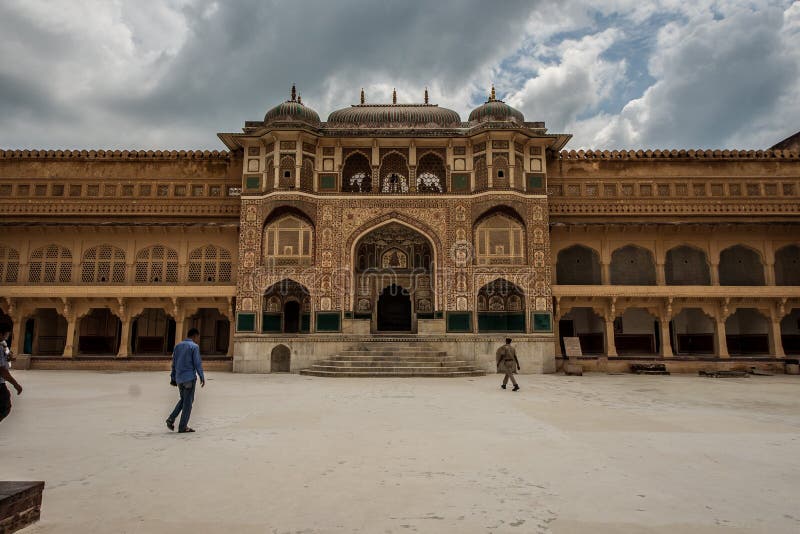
(401, 222)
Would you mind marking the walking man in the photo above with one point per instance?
(5, 375)
(508, 364)
(186, 367)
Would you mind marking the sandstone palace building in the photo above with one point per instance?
(402, 223)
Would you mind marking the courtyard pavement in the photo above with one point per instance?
(292, 454)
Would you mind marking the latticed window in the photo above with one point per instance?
(394, 172)
(501, 179)
(481, 174)
(356, 173)
(286, 169)
(50, 264)
(103, 264)
(288, 241)
(156, 264)
(9, 264)
(307, 175)
(431, 174)
(500, 241)
(210, 264)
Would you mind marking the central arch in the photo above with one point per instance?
(393, 268)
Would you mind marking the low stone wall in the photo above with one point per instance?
(681, 365)
(123, 364)
(536, 353)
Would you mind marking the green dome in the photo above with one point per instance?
(290, 111)
(494, 110)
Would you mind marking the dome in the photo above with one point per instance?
(394, 116)
(494, 110)
(292, 110)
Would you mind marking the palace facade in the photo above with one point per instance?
(401, 222)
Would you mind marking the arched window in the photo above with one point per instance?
(740, 266)
(431, 174)
(787, 266)
(50, 264)
(287, 241)
(501, 179)
(286, 169)
(356, 173)
(103, 264)
(500, 240)
(394, 174)
(686, 266)
(9, 264)
(633, 266)
(578, 265)
(501, 307)
(481, 174)
(210, 264)
(156, 264)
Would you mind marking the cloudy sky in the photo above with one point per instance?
(615, 73)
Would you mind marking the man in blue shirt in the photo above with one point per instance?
(186, 367)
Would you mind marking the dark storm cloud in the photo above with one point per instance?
(240, 58)
(172, 73)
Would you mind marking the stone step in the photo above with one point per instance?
(392, 358)
(387, 365)
(382, 374)
(325, 366)
(348, 358)
(414, 352)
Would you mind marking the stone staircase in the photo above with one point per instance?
(392, 360)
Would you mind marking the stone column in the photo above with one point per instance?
(775, 342)
(557, 333)
(611, 346)
(605, 273)
(17, 333)
(722, 343)
(231, 333)
(666, 339)
(69, 344)
(769, 274)
(715, 274)
(124, 338)
(660, 275)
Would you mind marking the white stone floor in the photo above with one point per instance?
(292, 454)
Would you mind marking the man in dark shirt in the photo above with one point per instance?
(186, 367)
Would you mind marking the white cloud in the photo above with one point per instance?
(577, 83)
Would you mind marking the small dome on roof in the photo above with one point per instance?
(292, 110)
(494, 110)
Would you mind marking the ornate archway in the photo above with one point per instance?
(393, 276)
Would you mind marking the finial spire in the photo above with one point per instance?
(294, 93)
(299, 99)
(362, 96)
(492, 97)
(426, 95)
(394, 96)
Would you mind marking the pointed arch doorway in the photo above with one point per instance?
(394, 309)
(394, 278)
